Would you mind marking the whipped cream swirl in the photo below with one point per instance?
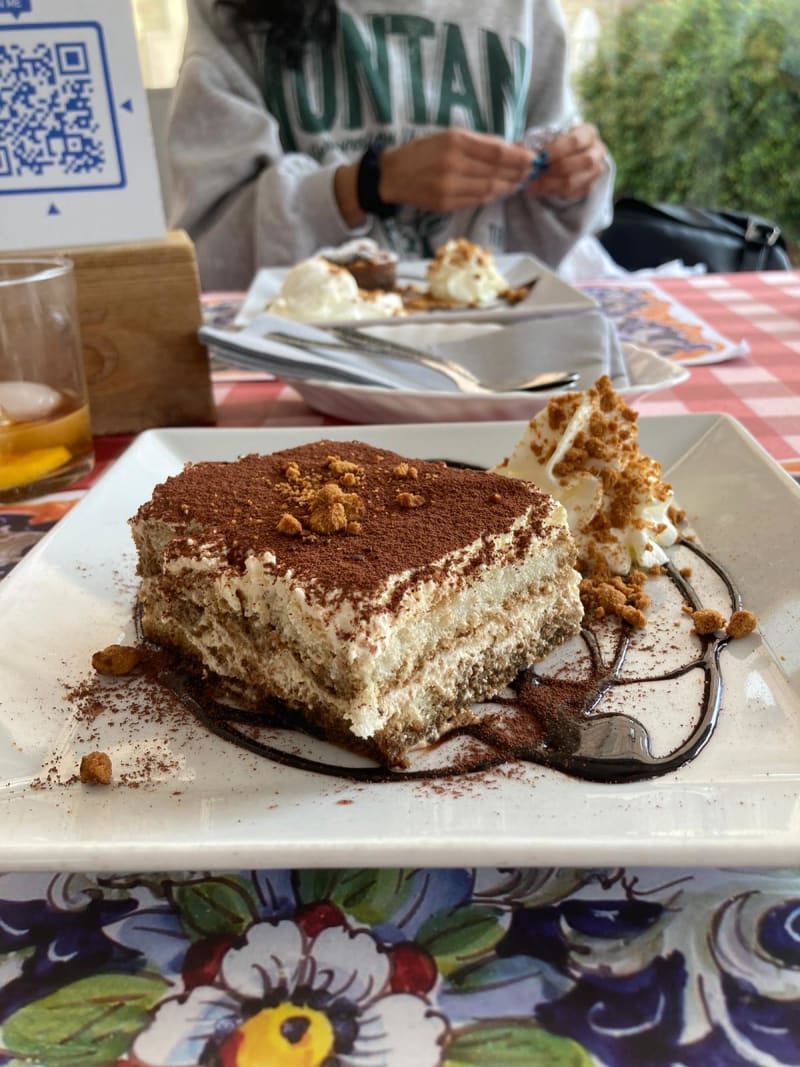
(583, 449)
(465, 273)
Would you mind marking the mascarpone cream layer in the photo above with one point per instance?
(403, 652)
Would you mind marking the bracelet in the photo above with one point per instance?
(369, 172)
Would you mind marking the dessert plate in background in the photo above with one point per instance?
(550, 295)
(200, 803)
(497, 355)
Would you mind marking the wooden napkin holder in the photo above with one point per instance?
(139, 311)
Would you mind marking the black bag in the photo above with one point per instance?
(646, 235)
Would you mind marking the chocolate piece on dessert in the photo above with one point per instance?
(372, 267)
(377, 273)
(375, 596)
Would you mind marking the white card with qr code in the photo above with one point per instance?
(77, 162)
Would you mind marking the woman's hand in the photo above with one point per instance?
(573, 163)
(452, 169)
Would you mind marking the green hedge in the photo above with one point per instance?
(699, 102)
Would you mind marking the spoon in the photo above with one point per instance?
(461, 377)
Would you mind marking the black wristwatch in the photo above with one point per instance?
(369, 172)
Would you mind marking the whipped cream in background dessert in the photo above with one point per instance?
(316, 290)
(583, 449)
(465, 273)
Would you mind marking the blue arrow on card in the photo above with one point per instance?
(128, 105)
(53, 210)
(14, 7)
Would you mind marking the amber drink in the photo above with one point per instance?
(45, 432)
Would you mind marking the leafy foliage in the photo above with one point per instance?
(212, 906)
(513, 1043)
(370, 896)
(460, 936)
(699, 102)
(86, 1024)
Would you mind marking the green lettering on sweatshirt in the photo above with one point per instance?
(505, 85)
(318, 70)
(456, 88)
(366, 66)
(413, 28)
(362, 83)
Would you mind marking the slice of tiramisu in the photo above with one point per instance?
(375, 596)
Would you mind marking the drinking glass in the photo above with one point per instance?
(45, 433)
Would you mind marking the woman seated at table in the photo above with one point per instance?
(303, 123)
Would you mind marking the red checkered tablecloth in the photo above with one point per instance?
(761, 389)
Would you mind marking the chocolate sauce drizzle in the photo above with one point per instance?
(554, 721)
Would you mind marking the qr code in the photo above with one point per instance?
(57, 125)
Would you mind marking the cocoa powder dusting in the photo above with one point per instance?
(350, 525)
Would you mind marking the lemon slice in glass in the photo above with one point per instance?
(18, 470)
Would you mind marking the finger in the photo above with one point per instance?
(570, 185)
(564, 170)
(591, 158)
(469, 192)
(579, 139)
(475, 172)
(511, 160)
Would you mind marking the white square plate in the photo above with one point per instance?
(215, 806)
(550, 295)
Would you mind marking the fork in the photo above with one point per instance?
(350, 338)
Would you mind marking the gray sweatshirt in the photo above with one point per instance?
(254, 149)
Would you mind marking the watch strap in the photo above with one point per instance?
(369, 172)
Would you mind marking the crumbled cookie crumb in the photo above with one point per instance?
(605, 594)
(403, 470)
(633, 616)
(410, 500)
(340, 466)
(707, 621)
(686, 572)
(116, 659)
(676, 515)
(328, 518)
(95, 769)
(289, 525)
(332, 509)
(741, 623)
